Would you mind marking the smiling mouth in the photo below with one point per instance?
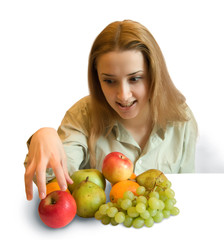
(126, 105)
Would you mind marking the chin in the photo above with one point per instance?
(127, 116)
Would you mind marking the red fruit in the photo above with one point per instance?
(117, 167)
(58, 209)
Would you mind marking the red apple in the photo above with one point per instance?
(117, 167)
(58, 209)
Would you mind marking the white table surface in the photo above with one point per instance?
(200, 198)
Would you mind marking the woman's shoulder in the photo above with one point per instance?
(78, 115)
(191, 119)
(81, 106)
(190, 125)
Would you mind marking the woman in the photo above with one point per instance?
(133, 108)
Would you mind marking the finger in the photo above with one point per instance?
(65, 169)
(59, 173)
(28, 178)
(67, 177)
(66, 174)
(41, 180)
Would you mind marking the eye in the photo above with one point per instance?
(135, 79)
(108, 81)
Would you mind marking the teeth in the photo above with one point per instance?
(127, 105)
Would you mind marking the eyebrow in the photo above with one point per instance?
(130, 74)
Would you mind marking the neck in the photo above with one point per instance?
(142, 121)
(140, 128)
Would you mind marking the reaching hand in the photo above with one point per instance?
(45, 151)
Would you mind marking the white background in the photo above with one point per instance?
(44, 48)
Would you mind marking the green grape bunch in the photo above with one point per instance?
(145, 209)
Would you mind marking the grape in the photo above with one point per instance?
(138, 222)
(116, 205)
(128, 221)
(132, 212)
(149, 222)
(110, 204)
(174, 211)
(166, 184)
(98, 215)
(161, 205)
(154, 203)
(103, 209)
(134, 202)
(125, 204)
(169, 204)
(140, 207)
(158, 217)
(166, 213)
(162, 196)
(154, 194)
(111, 212)
(152, 212)
(105, 220)
(169, 193)
(119, 201)
(145, 214)
(140, 190)
(142, 199)
(113, 222)
(119, 217)
(129, 195)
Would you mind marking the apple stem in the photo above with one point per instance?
(87, 179)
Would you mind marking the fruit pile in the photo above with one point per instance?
(134, 200)
(144, 209)
(146, 199)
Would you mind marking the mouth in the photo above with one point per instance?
(126, 105)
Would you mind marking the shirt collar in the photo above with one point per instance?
(122, 135)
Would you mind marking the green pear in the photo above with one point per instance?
(89, 197)
(151, 179)
(93, 175)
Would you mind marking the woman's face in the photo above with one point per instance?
(124, 80)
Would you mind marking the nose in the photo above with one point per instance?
(124, 92)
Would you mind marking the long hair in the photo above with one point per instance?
(167, 104)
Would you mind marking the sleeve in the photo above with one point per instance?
(189, 146)
(74, 131)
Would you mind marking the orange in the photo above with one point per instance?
(53, 186)
(133, 176)
(119, 188)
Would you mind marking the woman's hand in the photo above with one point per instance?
(45, 151)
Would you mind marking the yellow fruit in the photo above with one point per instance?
(151, 178)
(53, 186)
(89, 197)
(133, 176)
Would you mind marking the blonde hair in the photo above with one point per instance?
(167, 104)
